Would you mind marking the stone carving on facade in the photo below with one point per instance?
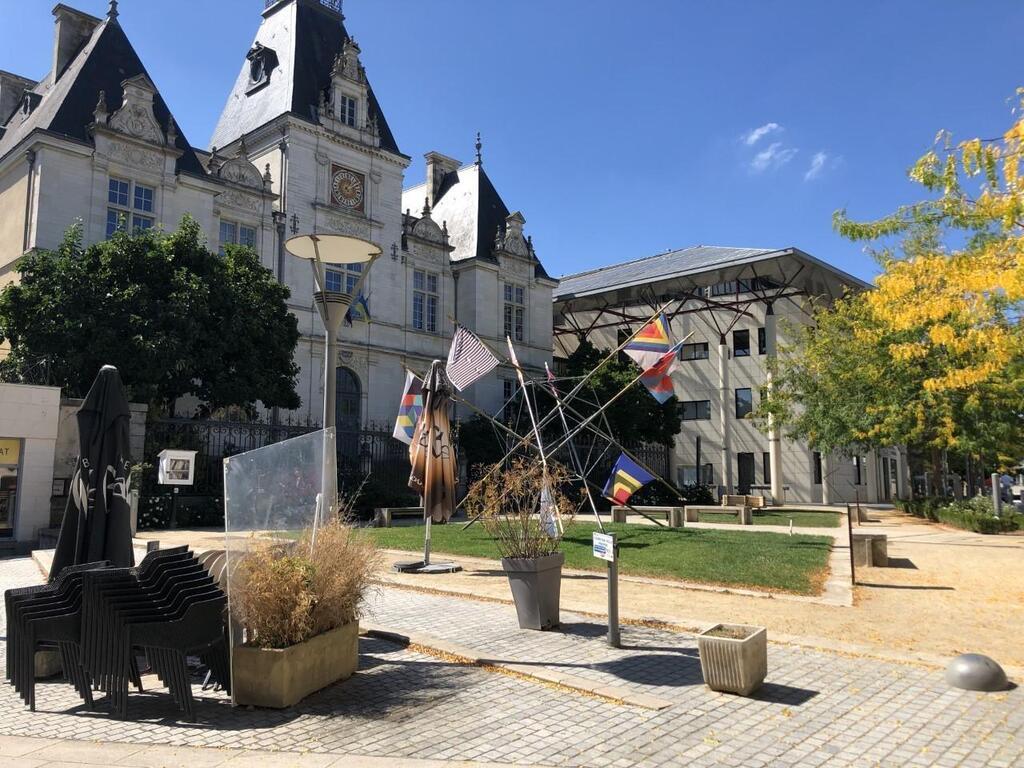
(238, 199)
(241, 171)
(346, 63)
(513, 241)
(136, 156)
(135, 117)
(343, 225)
(100, 114)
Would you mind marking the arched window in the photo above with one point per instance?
(348, 400)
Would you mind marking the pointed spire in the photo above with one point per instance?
(100, 113)
(479, 148)
(172, 132)
(426, 207)
(267, 178)
(112, 13)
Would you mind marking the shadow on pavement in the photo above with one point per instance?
(783, 694)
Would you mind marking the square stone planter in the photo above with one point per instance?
(536, 589)
(734, 657)
(282, 677)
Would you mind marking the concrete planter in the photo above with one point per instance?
(282, 677)
(734, 657)
(536, 589)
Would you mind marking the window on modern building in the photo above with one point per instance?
(128, 204)
(817, 468)
(343, 279)
(620, 338)
(515, 311)
(687, 475)
(696, 351)
(860, 476)
(508, 390)
(348, 110)
(424, 301)
(697, 410)
(766, 463)
(744, 402)
(762, 342)
(233, 233)
(741, 343)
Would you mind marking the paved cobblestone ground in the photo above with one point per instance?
(817, 708)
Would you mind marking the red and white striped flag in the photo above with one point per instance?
(468, 359)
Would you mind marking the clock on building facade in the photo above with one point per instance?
(348, 188)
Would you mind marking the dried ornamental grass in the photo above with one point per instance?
(285, 594)
(508, 503)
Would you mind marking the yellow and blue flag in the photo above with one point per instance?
(651, 343)
(627, 478)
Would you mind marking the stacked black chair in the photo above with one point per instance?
(169, 610)
(43, 617)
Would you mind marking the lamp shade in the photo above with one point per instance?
(332, 249)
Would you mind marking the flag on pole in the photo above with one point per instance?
(360, 310)
(548, 512)
(658, 378)
(627, 478)
(468, 359)
(653, 341)
(410, 409)
(551, 381)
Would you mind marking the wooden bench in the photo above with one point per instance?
(742, 513)
(870, 550)
(386, 517)
(673, 515)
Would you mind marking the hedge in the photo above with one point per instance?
(971, 515)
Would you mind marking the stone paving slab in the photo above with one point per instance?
(817, 708)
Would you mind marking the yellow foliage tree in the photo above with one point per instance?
(936, 352)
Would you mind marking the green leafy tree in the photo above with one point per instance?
(174, 318)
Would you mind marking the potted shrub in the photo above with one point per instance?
(733, 657)
(298, 606)
(525, 511)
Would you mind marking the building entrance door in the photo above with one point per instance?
(10, 457)
(347, 412)
(745, 475)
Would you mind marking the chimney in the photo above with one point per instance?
(11, 89)
(438, 166)
(72, 29)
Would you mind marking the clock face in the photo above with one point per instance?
(347, 188)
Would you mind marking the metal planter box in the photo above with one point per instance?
(734, 657)
(282, 677)
(536, 589)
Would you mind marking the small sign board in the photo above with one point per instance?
(176, 467)
(604, 547)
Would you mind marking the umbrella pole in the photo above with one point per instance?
(426, 544)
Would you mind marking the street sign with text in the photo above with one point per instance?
(604, 547)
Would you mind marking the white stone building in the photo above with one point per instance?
(302, 146)
(735, 304)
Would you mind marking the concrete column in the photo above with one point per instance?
(826, 491)
(725, 398)
(774, 436)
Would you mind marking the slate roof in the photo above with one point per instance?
(679, 263)
(306, 55)
(105, 61)
(470, 204)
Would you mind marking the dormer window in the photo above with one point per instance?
(262, 61)
(347, 110)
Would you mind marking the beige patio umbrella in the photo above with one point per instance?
(431, 453)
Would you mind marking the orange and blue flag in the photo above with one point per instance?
(651, 343)
(627, 478)
(658, 378)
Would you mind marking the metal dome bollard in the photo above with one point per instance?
(975, 672)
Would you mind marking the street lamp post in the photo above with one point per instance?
(322, 251)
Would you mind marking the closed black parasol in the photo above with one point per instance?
(97, 523)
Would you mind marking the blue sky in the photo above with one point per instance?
(625, 129)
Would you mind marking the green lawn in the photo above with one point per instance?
(801, 518)
(760, 560)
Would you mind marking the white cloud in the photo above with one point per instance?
(754, 136)
(817, 166)
(775, 156)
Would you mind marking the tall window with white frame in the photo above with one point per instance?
(129, 206)
(515, 312)
(347, 110)
(424, 301)
(343, 278)
(233, 233)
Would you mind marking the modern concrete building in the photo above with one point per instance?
(734, 305)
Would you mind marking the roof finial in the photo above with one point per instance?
(112, 11)
(479, 147)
